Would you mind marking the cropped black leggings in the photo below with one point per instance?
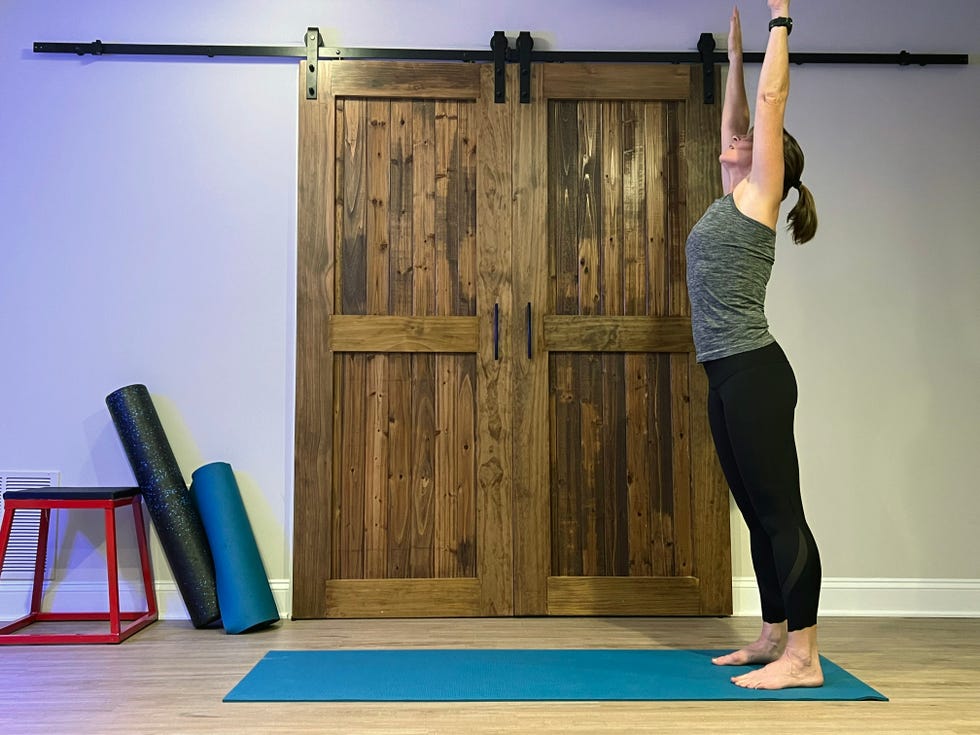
(751, 401)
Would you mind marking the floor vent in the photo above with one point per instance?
(19, 561)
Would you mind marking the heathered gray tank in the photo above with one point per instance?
(729, 261)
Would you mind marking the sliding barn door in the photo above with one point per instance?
(403, 450)
(498, 408)
(620, 506)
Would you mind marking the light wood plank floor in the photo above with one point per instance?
(170, 679)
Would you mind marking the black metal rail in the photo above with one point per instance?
(98, 48)
(499, 53)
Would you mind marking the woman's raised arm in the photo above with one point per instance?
(735, 112)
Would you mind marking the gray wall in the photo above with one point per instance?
(148, 214)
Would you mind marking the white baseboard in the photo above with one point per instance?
(92, 597)
(879, 597)
(839, 597)
(172, 607)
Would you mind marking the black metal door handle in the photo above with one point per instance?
(530, 350)
(496, 331)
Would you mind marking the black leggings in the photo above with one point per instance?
(751, 400)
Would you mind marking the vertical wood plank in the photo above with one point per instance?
(445, 465)
(444, 501)
(338, 470)
(401, 210)
(446, 267)
(679, 215)
(339, 186)
(465, 541)
(378, 252)
(422, 560)
(638, 476)
(612, 208)
(634, 212)
(566, 462)
(697, 148)
(661, 493)
(589, 176)
(564, 205)
(466, 258)
(400, 388)
(680, 422)
(375, 435)
(466, 209)
(314, 487)
(495, 557)
(350, 507)
(423, 465)
(592, 469)
(424, 206)
(378, 266)
(611, 496)
(614, 497)
(353, 256)
(531, 466)
(446, 279)
(400, 470)
(654, 128)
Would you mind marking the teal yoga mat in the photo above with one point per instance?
(415, 675)
(244, 595)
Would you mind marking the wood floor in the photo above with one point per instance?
(171, 678)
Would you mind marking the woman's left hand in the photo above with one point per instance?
(735, 36)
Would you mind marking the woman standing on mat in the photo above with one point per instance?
(752, 389)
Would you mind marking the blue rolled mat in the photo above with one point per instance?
(244, 593)
(170, 506)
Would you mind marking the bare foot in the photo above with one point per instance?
(768, 648)
(799, 666)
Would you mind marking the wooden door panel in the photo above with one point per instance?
(406, 204)
(615, 491)
(395, 518)
(613, 353)
(403, 339)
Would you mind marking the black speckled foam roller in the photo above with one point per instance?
(168, 501)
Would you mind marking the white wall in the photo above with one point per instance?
(148, 222)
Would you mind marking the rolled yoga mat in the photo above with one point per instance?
(167, 499)
(243, 588)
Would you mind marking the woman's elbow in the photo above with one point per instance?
(773, 97)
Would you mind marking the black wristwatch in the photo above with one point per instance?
(788, 22)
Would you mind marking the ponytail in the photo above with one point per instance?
(802, 218)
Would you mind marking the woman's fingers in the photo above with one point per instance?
(735, 33)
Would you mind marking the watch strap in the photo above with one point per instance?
(782, 21)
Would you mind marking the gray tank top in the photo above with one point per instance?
(729, 260)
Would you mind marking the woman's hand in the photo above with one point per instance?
(779, 8)
(735, 36)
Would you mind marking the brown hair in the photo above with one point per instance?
(802, 218)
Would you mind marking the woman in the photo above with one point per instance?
(752, 389)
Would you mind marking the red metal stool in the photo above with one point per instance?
(108, 499)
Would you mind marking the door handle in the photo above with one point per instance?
(496, 331)
(529, 338)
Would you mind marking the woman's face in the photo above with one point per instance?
(739, 151)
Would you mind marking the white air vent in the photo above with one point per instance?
(19, 561)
